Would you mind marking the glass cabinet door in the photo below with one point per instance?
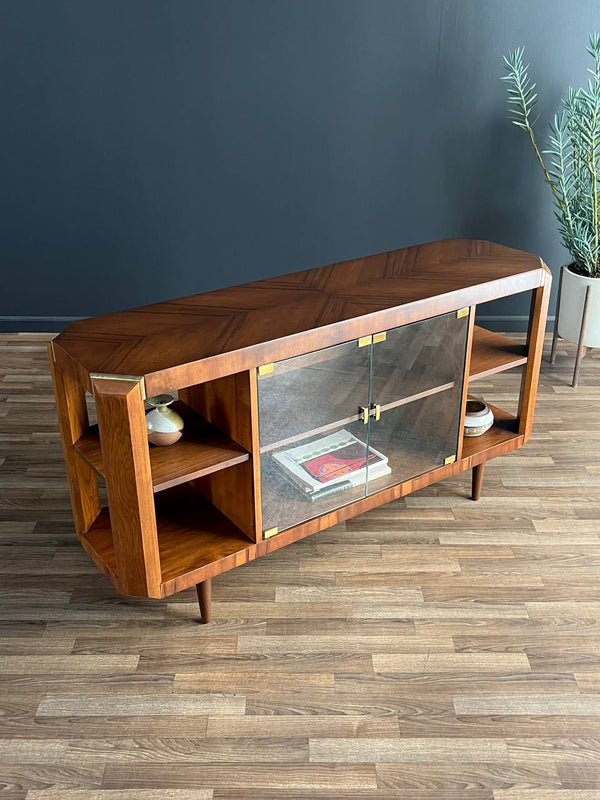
(349, 420)
(313, 430)
(416, 396)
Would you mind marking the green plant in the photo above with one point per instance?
(573, 152)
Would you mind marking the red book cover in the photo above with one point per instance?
(340, 462)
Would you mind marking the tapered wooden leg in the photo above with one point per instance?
(555, 334)
(204, 590)
(581, 349)
(477, 481)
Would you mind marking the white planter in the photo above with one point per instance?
(571, 308)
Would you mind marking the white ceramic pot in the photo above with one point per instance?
(479, 418)
(572, 297)
(164, 425)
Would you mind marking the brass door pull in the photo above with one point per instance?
(377, 409)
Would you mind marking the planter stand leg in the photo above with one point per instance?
(204, 590)
(477, 481)
(555, 333)
(581, 349)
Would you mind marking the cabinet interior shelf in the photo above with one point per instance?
(505, 430)
(339, 423)
(202, 449)
(493, 353)
(192, 534)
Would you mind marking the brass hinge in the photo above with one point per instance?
(270, 532)
(364, 414)
(365, 340)
(266, 369)
(449, 460)
(462, 312)
(97, 376)
(379, 337)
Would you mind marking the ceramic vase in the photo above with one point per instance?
(478, 419)
(163, 423)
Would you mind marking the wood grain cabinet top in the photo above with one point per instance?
(189, 340)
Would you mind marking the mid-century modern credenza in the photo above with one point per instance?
(381, 349)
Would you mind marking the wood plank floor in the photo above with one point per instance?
(433, 649)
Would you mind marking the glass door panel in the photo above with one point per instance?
(313, 438)
(416, 395)
(419, 357)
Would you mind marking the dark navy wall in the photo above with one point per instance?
(154, 148)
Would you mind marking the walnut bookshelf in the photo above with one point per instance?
(383, 348)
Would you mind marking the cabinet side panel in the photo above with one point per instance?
(465, 387)
(535, 344)
(230, 404)
(255, 454)
(124, 442)
(226, 403)
(73, 421)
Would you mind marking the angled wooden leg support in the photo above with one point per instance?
(204, 590)
(555, 334)
(477, 481)
(581, 348)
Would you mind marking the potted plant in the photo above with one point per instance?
(571, 167)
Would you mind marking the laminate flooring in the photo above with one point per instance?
(432, 649)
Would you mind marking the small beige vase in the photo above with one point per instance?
(164, 425)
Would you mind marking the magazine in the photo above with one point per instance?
(332, 463)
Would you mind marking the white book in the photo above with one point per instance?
(332, 462)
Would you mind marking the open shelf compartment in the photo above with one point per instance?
(493, 352)
(504, 432)
(203, 449)
(192, 534)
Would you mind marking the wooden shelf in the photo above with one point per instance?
(337, 424)
(202, 449)
(493, 353)
(408, 441)
(504, 435)
(192, 536)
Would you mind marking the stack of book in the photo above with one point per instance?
(331, 464)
